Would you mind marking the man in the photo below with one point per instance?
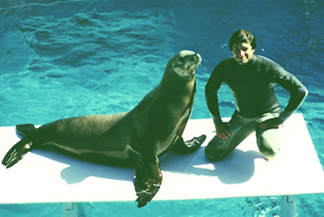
(252, 79)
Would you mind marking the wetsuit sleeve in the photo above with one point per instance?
(211, 90)
(297, 90)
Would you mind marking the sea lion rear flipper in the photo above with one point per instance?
(189, 146)
(148, 180)
(25, 129)
(16, 153)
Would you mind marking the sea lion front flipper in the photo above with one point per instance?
(189, 146)
(148, 180)
(17, 152)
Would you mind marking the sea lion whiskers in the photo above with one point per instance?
(185, 63)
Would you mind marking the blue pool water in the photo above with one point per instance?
(68, 58)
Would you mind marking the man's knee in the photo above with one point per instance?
(269, 148)
(216, 150)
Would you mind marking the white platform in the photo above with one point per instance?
(50, 177)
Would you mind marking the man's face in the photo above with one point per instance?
(242, 52)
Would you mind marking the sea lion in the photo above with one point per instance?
(138, 136)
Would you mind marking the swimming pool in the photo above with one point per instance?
(68, 58)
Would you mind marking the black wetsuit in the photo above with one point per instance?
(252, 85)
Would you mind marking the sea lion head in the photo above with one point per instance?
(184, 64)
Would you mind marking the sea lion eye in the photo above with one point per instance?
(181, 59)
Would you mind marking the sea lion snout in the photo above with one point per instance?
(197, 58)
(185, 63)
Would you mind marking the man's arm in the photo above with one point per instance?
(211, 90)
(298, 93)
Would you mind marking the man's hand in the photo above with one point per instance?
(271, 123)
(222, 130)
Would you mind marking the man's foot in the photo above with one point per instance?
(270, 158)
